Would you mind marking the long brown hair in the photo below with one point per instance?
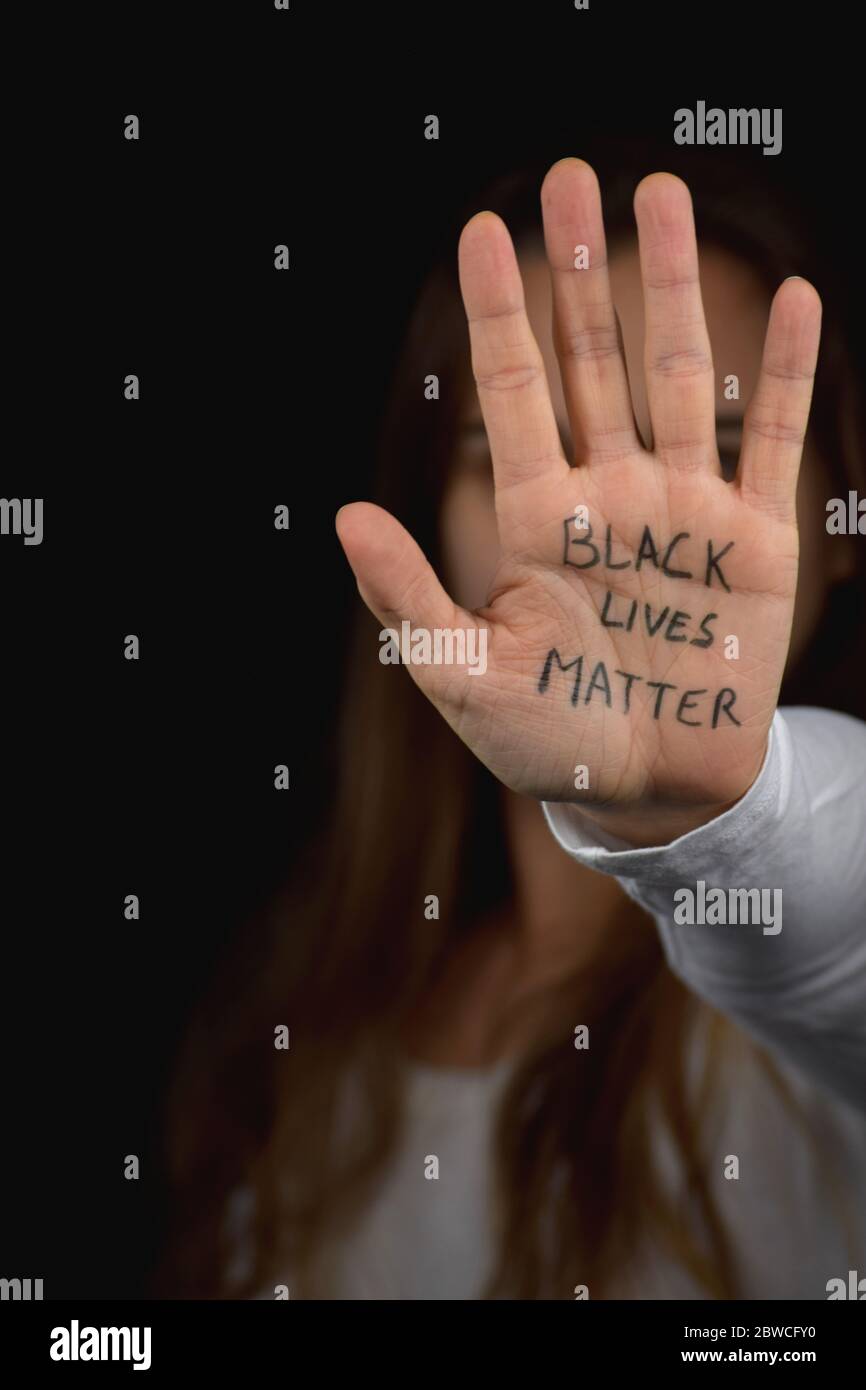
(345, 952)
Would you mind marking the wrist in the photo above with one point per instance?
(652, 827)
(652, 824)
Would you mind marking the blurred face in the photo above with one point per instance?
(736, 305)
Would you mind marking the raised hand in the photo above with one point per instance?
(621, 572)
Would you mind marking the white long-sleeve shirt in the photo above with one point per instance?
(800, 991)
(800, 829)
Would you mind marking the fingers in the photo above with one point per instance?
(506, 361)
(587, 339)
(398, 584)
(678, 362)
(775, 425)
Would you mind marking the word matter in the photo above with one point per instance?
(600, 685)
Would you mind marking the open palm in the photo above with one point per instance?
(638, 623)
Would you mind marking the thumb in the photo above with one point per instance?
(395, 579)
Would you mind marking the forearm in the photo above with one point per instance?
(798, 834)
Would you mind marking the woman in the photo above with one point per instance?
(513, 1071)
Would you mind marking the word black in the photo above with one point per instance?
(647, 552)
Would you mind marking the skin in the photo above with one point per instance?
(563, 426)
(736, 306)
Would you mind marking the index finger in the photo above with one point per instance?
(507, 364)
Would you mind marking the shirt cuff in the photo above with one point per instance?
(721, 840)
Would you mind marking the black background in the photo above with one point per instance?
(258, 388)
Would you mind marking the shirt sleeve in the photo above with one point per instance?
(800, 829)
